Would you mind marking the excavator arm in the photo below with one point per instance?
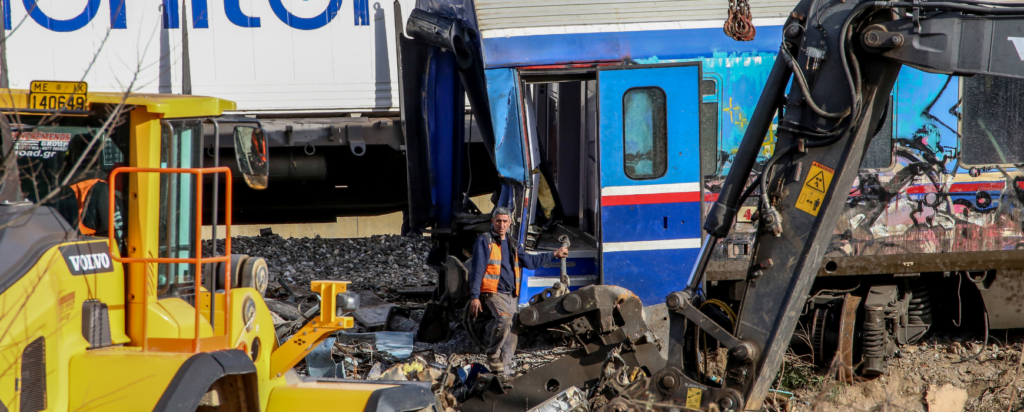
(842, 60)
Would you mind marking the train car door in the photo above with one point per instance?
(649, 140)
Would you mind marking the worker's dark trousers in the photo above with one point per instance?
(503, 308)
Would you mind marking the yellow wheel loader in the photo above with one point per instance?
(107, 301)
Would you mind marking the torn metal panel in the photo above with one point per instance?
(412, 58)
(320, 362)
(503, 94)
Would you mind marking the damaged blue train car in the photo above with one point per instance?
(614, 124)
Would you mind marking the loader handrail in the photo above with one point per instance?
(197, 344)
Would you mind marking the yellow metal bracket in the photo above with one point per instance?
(300, 344)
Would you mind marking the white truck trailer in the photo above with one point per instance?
(321, 76)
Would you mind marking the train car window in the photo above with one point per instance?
(708, 88)
(880, 151)
(991, 132)
(709, 127)
(645, 133)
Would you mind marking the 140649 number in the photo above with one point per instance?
(58, 95)
(57, 102)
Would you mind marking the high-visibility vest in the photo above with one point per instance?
(82, 193)
(493, 272)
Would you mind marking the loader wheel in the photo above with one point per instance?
(255, 275)
(216, 269)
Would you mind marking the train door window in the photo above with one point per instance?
(645, 133)
(180, 141)
(880, 153)
(993, 121)
(709, 127)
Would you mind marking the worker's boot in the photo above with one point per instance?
(494, 364)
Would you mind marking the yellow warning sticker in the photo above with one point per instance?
(812, 194)
(693, 396)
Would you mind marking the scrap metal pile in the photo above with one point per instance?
(394, 282)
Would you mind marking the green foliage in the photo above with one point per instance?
(833, 393)
(797, 373)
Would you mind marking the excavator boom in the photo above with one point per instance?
(842, 59)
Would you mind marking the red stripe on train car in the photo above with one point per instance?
(957, 188)
(648, 199)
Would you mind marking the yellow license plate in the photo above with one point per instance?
(48, 95)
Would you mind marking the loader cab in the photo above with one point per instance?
(64, 162)
(169, 323)
(126, 167)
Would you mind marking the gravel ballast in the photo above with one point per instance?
(378, 263)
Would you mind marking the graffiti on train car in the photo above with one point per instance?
(742, 77)
(924, 201)
(929, 202)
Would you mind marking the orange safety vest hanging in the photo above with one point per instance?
(82, 193)
(493, 272)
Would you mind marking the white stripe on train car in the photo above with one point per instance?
(621, 27)
(547, 281)
(573, 254)
(651, 245)
(650, 189)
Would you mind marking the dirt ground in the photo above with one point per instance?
(929, 376)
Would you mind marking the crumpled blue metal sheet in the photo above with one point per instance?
(503, 94)
(320, 362)
(398, 344)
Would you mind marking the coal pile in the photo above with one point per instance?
(382, 263)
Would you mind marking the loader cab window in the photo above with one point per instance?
(645, 135)
(64, 163)
(991, 132)
(180, 148)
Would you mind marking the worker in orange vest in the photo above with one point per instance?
(93, 196)
(494, 282)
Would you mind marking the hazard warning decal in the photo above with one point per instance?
(812, 194)
(693, 396)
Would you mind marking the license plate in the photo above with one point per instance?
(47, 95)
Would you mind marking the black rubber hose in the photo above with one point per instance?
(802, 82)
(750, 189)
(854, 95)
(766, 172)
(991, 3)
(950, 6)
